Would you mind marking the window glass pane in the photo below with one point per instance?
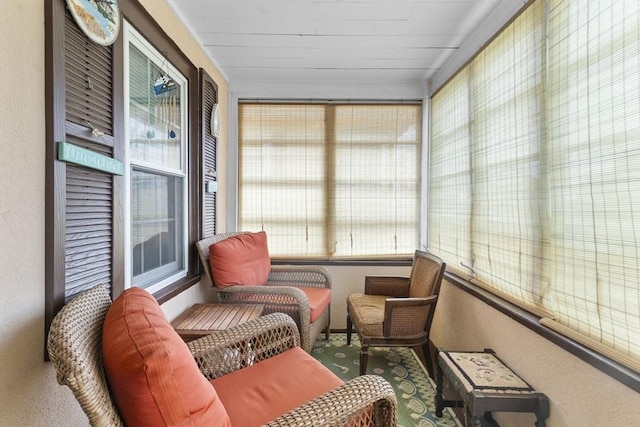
(156, 226)
(155, 121)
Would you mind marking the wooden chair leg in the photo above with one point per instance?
(327, 332)
(476, 421)
(542, 413)
(426, 350)
(364, 358)
(349, 329)
(439, 398)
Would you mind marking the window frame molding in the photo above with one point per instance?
(144, 23)
(172, 273)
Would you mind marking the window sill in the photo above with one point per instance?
(610, 367)
(345, 262)
(168, 292)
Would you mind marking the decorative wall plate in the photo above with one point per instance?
(98, 19)
(216, 121)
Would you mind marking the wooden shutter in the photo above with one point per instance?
(88, 230)
(209, 97)
(88, 80)
(88, 193)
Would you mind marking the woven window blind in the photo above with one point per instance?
(594, 170)
(282, 175)
(554, 146)
(506, 106)
(331, 180)
(450, 175)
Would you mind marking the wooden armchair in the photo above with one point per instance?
(81, 347)
(397, 311)
(294, 290)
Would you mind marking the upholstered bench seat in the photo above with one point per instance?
(260, 393)
(486, 384)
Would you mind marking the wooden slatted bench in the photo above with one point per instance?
(485, 385)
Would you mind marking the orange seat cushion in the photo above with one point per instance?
(152, 375)
(319, 299)
(240, 260)
(262, 392)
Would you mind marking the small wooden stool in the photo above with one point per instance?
(486, 384)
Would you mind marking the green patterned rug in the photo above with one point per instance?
(398, 365)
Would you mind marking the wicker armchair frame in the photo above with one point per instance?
(280, 294)
(397, 311)
(75, 349)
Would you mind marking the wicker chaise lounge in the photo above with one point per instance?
(86, 328)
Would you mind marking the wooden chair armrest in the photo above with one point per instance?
(242, 345)
(407, 316)
(386, 285)
(394, 303)
(369, 399)
(299, 275)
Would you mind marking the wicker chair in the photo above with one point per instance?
(74, 345)
(397, 311)
(281, 294)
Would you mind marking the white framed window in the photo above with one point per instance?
(156, 166)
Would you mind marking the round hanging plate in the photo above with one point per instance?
(98, 19)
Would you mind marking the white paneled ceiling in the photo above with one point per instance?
(332, 41)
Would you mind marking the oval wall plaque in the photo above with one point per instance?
(98, 19)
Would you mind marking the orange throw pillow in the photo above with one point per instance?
(240, 260)
(152, 375)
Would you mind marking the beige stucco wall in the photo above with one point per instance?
(580, 395)
(29, 393)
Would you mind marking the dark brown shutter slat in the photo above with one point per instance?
(89, 145)
(79, 244)
(88, 227)
(87, 60)
(209, 143)
(99, 189)
(82, 231)
(97, 237)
